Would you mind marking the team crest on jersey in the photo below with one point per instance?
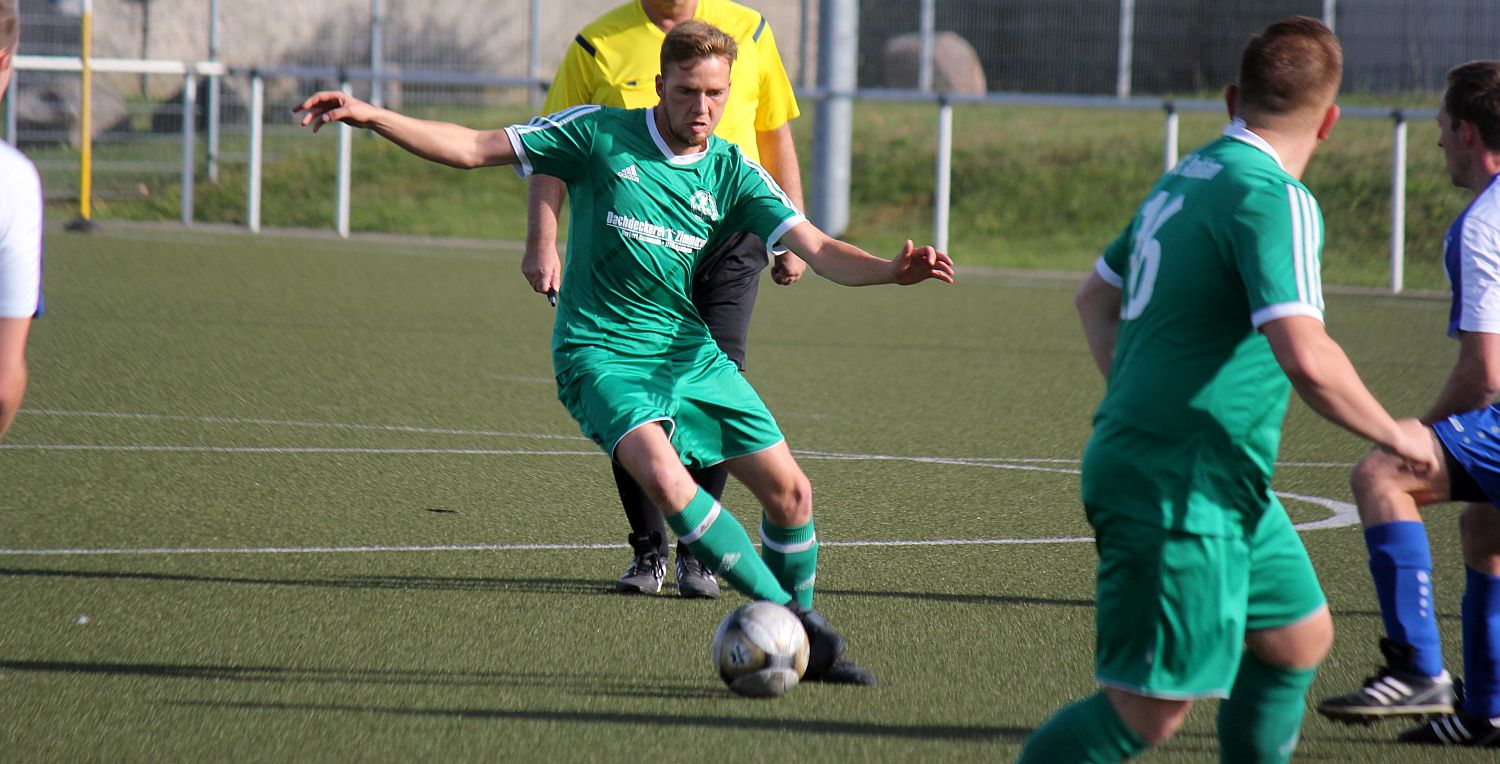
(704, 206)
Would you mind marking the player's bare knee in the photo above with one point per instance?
(1153, 720)
(1376, 477)
(790, 505)
(1301, 645)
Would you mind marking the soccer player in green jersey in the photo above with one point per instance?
(636, 365)
(1198, 315)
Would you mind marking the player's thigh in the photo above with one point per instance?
(1381, 472)
(1470, 445)
(719, 415)
(1170, 609)
(1287, 612)
(609, 398)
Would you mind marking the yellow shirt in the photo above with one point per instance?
(614, 62)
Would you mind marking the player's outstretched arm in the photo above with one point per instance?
(1098, 303)
(1327, 381)
(846, 264)
(441, 142)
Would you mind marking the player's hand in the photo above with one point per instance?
(787, 269)
(1416, 446)
(335, 106)
(542, 268)
(919, 264)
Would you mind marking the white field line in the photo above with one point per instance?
(1344, 514)
(301, 423)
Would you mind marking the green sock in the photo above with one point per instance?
(720, 542)
(792, 554)
(1262, 718)
(1087, 732)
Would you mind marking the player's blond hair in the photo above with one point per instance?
(1292, 69)
(1473, 96)
(10, 25)
(695, 40)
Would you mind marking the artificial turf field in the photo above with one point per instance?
(298, 499)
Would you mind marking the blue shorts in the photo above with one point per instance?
(1472, 439)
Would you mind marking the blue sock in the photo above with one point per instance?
(1401, 564)
(1481, 611)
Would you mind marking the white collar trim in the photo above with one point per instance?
(1239, 132)
(666, 151)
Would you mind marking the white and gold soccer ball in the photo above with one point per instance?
(760, 650)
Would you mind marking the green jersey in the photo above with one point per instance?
(640, 217)
(1224, 243)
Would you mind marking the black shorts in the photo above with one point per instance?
(724, 288)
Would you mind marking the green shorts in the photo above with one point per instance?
(1173, 608)
(710, 410)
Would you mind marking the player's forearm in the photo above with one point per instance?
(1098, 304)
(445, 142)
(544, 198)
(778, 154)
(1474, 381)
(1324, 378)
(846, 264)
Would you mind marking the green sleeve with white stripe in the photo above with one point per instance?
(1276, 241)
(758, 204)
(560, 144)
(1117, 254)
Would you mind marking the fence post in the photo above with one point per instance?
(943, 189)
(1169, 150)
(838, 76)
(189, 147)
(213, 93)
(377, 52)
(1330, 10)
(1398, 203)
(257, 116)
(341, 215)
(1127, 49)
(928, 25)
(534, 55)
(803, 36)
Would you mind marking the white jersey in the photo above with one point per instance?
(1472, 259)
(20, 235)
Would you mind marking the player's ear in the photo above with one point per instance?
(1231, 99)
(1468, 134)
(1330, 118)
(661, 92)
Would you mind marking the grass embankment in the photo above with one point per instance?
(1032, 187)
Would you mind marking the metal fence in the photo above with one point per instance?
(169, 123)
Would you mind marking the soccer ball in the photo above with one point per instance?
(760, 650)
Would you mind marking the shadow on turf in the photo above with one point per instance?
(812, 726)
(611, 685)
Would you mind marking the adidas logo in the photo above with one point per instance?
(730, 560)
(630, 174)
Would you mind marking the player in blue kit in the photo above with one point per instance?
(1465, 427)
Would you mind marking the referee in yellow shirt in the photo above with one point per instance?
(614, 62)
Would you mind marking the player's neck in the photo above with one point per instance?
(1294, 148)
(659, 118)
(670, 16)
(1486, 167)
